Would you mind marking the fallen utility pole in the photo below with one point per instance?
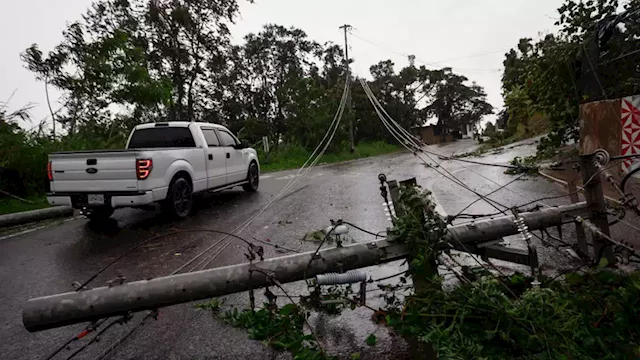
(88, 305)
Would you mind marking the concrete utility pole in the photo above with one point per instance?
(87, 305)
(346, 28)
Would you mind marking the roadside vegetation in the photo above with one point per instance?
(592, 57)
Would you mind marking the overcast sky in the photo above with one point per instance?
(469, 35)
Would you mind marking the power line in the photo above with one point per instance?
(477, 162)
(492, 192)
(436, 65)
(472, 56)
(121, 320)
(620, 57)
(152, 314)
(300, 174)
(409, 140)
(87, 330)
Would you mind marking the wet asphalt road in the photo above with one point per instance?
(49, 260)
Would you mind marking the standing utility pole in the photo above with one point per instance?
(597, 206)
(346, 28)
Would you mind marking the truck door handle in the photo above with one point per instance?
(210, 156)
(228, 155)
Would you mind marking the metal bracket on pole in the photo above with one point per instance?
(580, 234)
(518, 256)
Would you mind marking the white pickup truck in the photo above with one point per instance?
(165, 162)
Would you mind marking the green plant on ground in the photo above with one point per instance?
(525, 165)
(212, 305)
(281, 328)
(371, 340)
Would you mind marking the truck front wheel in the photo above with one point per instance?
(179, 200)
(253, 178)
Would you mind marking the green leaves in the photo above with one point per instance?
(603, 262)
(213, 305)
(279, 328)
(552, 77)
(288, 309)
(371, 340)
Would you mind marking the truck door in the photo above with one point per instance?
(216, 159)
(236, 169)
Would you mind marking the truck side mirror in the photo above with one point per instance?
(241, 145)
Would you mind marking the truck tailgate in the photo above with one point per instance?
(94, 171)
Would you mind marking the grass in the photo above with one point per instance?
(292, 157)
(11, 205)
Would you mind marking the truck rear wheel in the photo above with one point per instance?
(253, 178)
(179, 202)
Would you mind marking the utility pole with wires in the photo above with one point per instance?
(346, 29)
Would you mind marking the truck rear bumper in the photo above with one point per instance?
(56, 200)
(114, 199)
(132, 200)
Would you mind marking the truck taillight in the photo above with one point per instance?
(49, 171)
(143, 168)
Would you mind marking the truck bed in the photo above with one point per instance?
(80, 152)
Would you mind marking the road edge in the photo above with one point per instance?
(25, 217)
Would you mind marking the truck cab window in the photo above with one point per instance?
(227, 139)
(161, 137)
(211, 137)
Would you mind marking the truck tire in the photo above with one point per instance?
(179, 202)
(99, 214)
(253, 178)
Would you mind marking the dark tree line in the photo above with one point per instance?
(593, 56)
(128, 62)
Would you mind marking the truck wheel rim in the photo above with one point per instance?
(253, 176)
(181, 198)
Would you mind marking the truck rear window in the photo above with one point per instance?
(161, 137)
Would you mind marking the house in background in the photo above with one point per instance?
(467, 130)
(431, 134)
